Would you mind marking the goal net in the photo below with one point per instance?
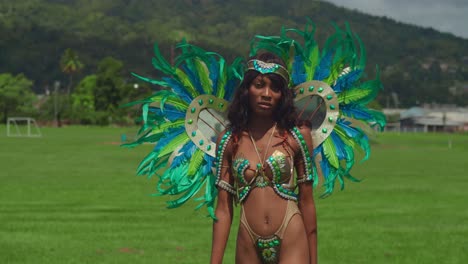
(22, 127)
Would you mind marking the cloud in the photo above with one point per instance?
(447, 16)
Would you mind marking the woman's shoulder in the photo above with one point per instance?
(224, 136)
(303, 130)
(298, 134)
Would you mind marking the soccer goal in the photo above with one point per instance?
(22, 127)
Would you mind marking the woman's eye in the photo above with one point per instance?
(258, 84)
(275, 89)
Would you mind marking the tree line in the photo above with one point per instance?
(95, 99)
(110, 39)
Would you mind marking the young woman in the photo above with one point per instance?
(264, 165)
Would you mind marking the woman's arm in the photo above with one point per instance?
(224, 210)
(222, 226)
(306, 200)
(307, 208)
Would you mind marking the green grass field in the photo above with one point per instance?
(72, 197)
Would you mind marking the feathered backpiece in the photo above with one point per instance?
(330, 94)
(183, 121)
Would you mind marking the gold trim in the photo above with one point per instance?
(329, 97)
(192, 116)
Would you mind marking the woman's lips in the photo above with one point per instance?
(265, 105)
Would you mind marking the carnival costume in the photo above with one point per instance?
(184, 121)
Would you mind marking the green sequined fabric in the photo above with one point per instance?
(268, 249)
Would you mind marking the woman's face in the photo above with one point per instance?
(264, 96)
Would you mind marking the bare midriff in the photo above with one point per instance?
(264, 210)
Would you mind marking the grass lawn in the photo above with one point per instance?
(72, 197)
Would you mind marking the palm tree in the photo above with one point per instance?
(70, 64)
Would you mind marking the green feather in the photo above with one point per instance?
(364, 144)
(195, 162)
(330, 152)
(222, 80)
(340, 179)
(155, 82)
(363, 57)
(330, 183)
(335, 72)
(174, 181)
(236, 71)
(360, 140)
(204, 76)
(315, 175)
(342, 134)
(210, 195)
(333, 41)
(194, 188)
(312, 63)
(177, 141)
(355, 95)
(349, 158)
(152, 138)
(174, 101)
(152, 155)
(161, 163)
(364, 93)
(160, 63)
(182, 77)
(379, 118)
(351, 178)
(144, 114)
(143, 131)
(163, 127)
(156, 165)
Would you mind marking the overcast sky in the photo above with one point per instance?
(447, 16)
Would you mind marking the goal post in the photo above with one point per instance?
(22, 127)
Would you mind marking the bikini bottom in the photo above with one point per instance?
(268, 247)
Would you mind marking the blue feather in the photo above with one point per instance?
(350, 131)
(325, 166)
(208, 165)
(229, 88)
(356, 111)
(205, 169)
(214, 74)
(298, 71)
(317, 150)
(167, 113)
(178, 88)
(345, 81)
(168, 137)
(339, 146)
(193, 78)
(323, 69)
(185, 153)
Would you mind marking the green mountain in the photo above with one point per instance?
(418, 65)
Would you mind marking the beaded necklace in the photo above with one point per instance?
(261, 181)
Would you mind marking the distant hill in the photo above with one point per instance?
(418, 64)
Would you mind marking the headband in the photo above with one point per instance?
(268, 67)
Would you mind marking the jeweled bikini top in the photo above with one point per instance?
(280, 164)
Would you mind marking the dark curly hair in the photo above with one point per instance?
(239, 110)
